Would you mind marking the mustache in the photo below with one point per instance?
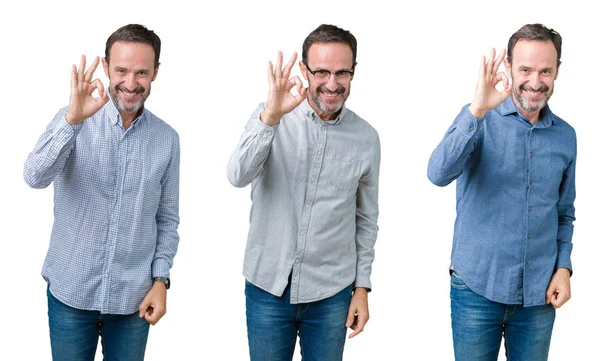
(139, 89)
(323, 89)
(542, 88)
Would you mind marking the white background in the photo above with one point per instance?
(417, 66)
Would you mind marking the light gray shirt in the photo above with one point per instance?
(314, 202)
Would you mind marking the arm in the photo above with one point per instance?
(51, 152)
(247, 160)
(253, 148)
(559, 289)
(454, 151)
(167, 216)
(154, 305)
(54, 146)
(452, 154)
(367, 212)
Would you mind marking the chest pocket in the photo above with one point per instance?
(344, 173)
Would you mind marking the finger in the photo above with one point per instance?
(80, 72)
(359, 325)
(350, 317)
(498, 61)
(489, 62)
(90, 71)
(144, 308)
(293, 82)
(73, 76)
(505, 93)
(270, 74)
(278, 65)
(290, 64)
(97, 84)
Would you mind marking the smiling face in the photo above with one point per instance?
(130, 71)
(533, 71)
(329, 95)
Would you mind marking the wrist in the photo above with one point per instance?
(71, 120)
(269, 119)
(477, 112)
(165, 281)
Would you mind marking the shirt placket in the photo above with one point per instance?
(529, 209)
(311, 191)
(113, 232)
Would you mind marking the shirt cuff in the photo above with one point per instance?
(160, 268)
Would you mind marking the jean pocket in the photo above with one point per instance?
(456, 282)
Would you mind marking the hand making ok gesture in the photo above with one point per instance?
(82, 104)
(486, 95)
(281, 100)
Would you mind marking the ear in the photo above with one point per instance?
(105, 66)
(354, 70)
(557, 68)
(155, 72)
(303, 70)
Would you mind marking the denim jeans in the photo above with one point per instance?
(478, 325)
(74, 334)
(273, 324)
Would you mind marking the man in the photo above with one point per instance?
(115, 169)
(514, 162)
(314, 169)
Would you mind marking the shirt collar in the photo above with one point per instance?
(115, 116)
(547, 118)
(309, 112)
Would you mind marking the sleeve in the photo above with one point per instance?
(246, 161)
(367, 212)
(167, 216)
(566, 216)
(450, 157)
(51, 152)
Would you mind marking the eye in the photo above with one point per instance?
(344, 74)
(546, 72)
(322, 73)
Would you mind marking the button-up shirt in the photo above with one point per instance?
(515, 191)
(314, 202)
(116, 200)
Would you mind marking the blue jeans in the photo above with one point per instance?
(74, 334)
(273, 324)
(478, 325)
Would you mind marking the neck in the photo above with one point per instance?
(128, 118)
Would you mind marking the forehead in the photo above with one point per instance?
(131, 54)
(534, 53)
(330, 56)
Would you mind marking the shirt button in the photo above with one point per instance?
(322, 127)
(528, 235)
(297, 260)
(458, 151)
(307, 206)
(302, 233)
(530, 181)
(319, 154)
(114, 220)
(313, 180)
(531, 154)
(106, 275)
(472, 128)
(529, 209)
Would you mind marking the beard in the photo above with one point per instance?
(122, 105)
(322, 103)
(524, 102)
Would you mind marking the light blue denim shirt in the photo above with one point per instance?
(116, 201)
(314, 202)
(514, 200)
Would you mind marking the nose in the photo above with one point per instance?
(332, 83)
(130, 81)
(535, 80)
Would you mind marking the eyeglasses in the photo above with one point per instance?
(324, 75)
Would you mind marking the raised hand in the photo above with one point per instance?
(486, 95)
(82, 104)
(281, 101)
